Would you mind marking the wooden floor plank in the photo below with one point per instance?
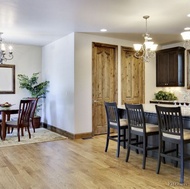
(82, 164)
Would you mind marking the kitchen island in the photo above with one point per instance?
(151, 117)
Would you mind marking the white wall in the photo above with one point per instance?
(58, 68)
(150, 80)
(27, 60)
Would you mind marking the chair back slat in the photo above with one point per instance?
(135, 115)
(112, 113)
(170, 120)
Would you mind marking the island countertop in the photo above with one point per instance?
(150, 108)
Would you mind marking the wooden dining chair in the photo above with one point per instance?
(118, 125)
(23, 121)
(31, 115)
(171, 131)
(138, 126)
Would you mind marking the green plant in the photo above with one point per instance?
(163, 95)
(37, 90)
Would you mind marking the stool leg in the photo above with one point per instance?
(107, 140)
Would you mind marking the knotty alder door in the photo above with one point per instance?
(132, 77)
(104, 83)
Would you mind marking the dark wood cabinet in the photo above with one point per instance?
(170, 67)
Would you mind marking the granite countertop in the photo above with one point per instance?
(150, 108)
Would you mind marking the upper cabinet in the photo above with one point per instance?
(170, 67)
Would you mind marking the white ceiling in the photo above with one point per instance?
(39, 22)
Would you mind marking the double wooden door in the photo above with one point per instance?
(105, 81)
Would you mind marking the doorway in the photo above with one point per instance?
(132, 77)
(104, 83)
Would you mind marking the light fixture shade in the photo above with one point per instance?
(3, 47)
(186, 35)
(148, 44)
(137, 47)
(154, 47)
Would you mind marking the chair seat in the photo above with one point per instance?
(123, 122)
(11, 123)
(186, 135)
(149, 128)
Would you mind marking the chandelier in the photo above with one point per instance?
(4, 55)
(148, 48)
(186, 38)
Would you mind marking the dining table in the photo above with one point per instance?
(6, 114)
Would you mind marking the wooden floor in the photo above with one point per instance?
(81, 164)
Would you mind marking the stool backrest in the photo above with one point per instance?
(170, 120)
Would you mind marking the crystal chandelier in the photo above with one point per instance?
(3, 51)
(148, 48)
(186, 38)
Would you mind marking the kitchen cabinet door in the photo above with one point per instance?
(170, 67)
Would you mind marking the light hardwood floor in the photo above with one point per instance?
(81, 164)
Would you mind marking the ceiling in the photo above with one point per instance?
(39, 22)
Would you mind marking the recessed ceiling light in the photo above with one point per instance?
(103, 30)
(187, 28)
(188, 15)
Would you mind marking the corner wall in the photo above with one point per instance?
(58, 68)
(67, 64)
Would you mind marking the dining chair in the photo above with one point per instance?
(23, 121)
(31, 115)
(118, 125)
(137, 126)
(171, 130)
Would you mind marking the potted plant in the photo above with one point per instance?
(36, 89)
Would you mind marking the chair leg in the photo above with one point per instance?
(18, 133)
(107, 140)
(33, 125)
(29, 132)
(182, 164)
(124, 138)
(160, 149)
(118, 143)
(177, 151)
(144, 152)
(137, 139)
(163, 147)
(128, 147)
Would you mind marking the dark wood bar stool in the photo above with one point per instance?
(119, 125)
(137, 126)
(171, 131)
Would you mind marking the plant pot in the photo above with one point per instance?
(37, 121)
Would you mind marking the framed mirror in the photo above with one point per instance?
(7, 79)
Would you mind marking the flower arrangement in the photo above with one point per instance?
(163, 95)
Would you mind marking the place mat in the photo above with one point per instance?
(41, 135)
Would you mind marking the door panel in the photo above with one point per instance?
(132, 77)
(104, 86)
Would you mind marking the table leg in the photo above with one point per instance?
(3, 130)
(8, 119)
